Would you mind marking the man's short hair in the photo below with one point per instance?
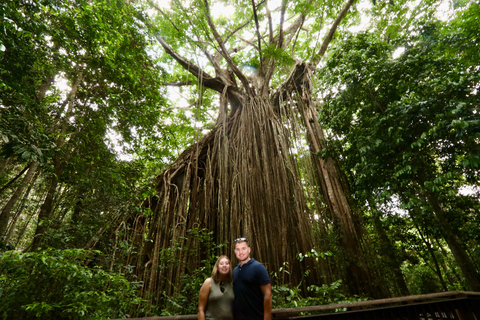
(238, 240)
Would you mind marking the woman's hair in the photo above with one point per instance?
(216, 273)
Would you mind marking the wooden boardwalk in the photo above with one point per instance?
(456, 305)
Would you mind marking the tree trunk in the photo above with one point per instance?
(44, 214)
(46, 209)
(20, 210)
(14, 179)
(335, 192)
(7, 210)
(237, 181)
(4, 164)
(451, 273)
(463, 259)
(389, 253)
(59, 163)
(434, 259)
(22, 231)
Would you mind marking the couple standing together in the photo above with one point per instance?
(247, 297)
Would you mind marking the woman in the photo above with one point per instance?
(216, 294)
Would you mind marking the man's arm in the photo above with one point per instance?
(267, 300)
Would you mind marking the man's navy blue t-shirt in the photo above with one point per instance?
(247, 279)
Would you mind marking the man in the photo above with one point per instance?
(251, 285)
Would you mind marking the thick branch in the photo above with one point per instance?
(257, 27)
(14, 179)
(224, 51)
(328, 38)
(191, 67)
(290, 32)
(282, 21)
(204, 50)
(236, 30)
(270, 24)
(179, 83)
(271, 64)
(248, 42)
(297, 34)
(187, 65)
(206, 80)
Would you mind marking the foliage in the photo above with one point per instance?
(288, 296)
(63, 284)
(421, 279)
(116, 105)
(406, 131)
(388, 96)
(189, 287)
(22, 68)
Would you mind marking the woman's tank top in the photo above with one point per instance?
(220, 301)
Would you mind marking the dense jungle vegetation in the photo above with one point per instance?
(139, 138)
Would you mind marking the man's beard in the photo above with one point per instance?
(246, 258)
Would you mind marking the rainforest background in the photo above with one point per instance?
(138, 139)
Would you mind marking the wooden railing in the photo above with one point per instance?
(457, 305)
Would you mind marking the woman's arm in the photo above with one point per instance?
(203, 298)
